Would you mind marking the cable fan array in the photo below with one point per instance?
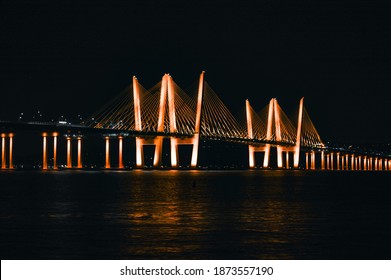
(166, 108)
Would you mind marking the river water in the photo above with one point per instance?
(195, 215)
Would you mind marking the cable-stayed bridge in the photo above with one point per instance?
(166, 111)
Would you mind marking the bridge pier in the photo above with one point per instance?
(287, 160)
(313, 164)
(352, 167)
(69, 138)
(44, 159)
(45, 152)
(338, 160)
(120, 159)
(346, 162)
(332, 161)
(3, 159)
(365, 163)
(328, 161)
(3, 151)
(55, 150)
(120, 151)
(69, 152)
(306, 161)
(79, 161)
(107, 162)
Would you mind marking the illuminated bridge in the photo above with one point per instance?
(166, 112)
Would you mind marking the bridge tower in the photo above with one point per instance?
(274, 118)
(195, 140)
(254, 148)
(167, 99)
(294, 149)
(156, 141)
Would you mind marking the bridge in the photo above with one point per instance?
(165, 111)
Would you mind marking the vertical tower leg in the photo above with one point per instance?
(279, 156)
(107, 164)
(139, 153)
(298, 136)
(267, 156)
(251, 161)
(120, 160)
(157, 159)
(197, 130)
(322, 160)
(194, 153)
(174, 151)
(44, 159)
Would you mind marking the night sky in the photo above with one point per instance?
(68, 58)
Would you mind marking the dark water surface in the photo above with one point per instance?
(195, 215)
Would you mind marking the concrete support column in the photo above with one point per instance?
(322, 160)
(69, 152)
(352, 164)
(44, 158)
(79, 161)
(365, 163)
(251, 159)
(338, 165)
(306, 161)
(313, 167)
(174, 152)
(332, 161)
(55, 151)
(3, 159)
(287, 160)
(120, 160)
(11, 160)
(107, 164)
(346, 162)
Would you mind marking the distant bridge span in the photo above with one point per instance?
(166, 111)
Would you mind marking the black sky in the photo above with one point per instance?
(70, 58)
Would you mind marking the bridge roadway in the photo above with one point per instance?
(331, 158)
(77, 129)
